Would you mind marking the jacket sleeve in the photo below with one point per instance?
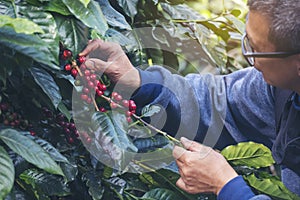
(206, 107)
(237, 189)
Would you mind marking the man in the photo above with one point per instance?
(259, 103)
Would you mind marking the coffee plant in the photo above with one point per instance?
(45, 151)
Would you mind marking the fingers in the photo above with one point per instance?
(92, 45)
(96, 64)
(101, 47)
(178, 152)
(189, 144)
(192, 188)
(195, 147)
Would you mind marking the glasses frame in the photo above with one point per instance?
(249, 55)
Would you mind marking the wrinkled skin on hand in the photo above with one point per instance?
(109, 58)
(201, 168)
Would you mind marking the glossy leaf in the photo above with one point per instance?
(150, 110)
(129, 7)
(29, 150)
(249, 154)
(49, 148)
(91, 15)
(20, 25)
(48, 25)
(48, 85)
(162, 194)
(57, 6)
(29, 45)
(113, 17)
(167, 179)
(271, 186)
(150, 143)
(118, 184)
(64, 110)
(156, 159)
(72, 33)
(7, 173)
(110, 137)
(238, 24)
(47, 184)
(94, 183)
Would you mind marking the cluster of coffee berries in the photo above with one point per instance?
(93, 87)
(71, 65)
(9, 117)
(118, 101)
(68, 128)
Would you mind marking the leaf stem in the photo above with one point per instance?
(145, 123)
(156, 129)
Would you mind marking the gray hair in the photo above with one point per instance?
(284, 16)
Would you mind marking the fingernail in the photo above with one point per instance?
(184, 139)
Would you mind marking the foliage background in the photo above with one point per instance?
(39, 158)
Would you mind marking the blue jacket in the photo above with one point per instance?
(217, 110)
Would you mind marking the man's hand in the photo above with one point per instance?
(201, 168)
(109, 58)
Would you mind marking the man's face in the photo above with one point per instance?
(280, 72)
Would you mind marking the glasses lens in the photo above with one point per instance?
(248, 49)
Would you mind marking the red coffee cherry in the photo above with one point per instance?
(132, 105)
(66, 54)
(81, 59)
(74, 72)
(125, 103)
(68, 67)
(86, 90)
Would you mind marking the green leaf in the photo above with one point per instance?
(49, 148)
(271, 186)
(156, 159)
(248, 154)
(48, 85)
(212, 45)
(7, 173)
(57, 6)
(91, 15)
(44, 183)
(236, 12)
(129, 7)
(46, 21)
(111, 137)
(150, 110)
(161, 194)
(94, 183)
(238, 24)
(117, 184)
(29, 45)
(72, 33)
(113, 17)
(150, 143)
(64, 110)
(29, 150)
(20, 25)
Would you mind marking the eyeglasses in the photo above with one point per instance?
(249, 53)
